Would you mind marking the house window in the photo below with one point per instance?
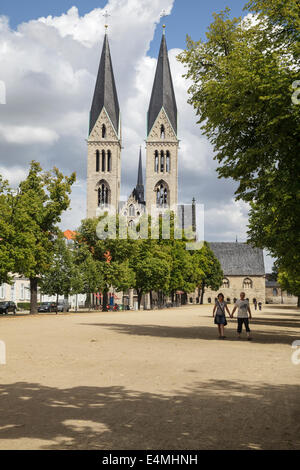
(22, 292)
(225, 283)
(247, 283)
(103, 131)
(2, 291)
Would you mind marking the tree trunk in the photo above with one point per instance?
(33, 295)
(56, 304)
(105, 300)
(298, 304)
(151, 300)
(139, 299)
(202, 294)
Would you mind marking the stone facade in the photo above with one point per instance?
(104, 165)
(161, 162)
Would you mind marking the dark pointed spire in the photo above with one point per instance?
(163, 91)
(139, 189)
(105, 94)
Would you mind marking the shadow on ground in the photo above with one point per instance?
(213, 415)
(281, 336)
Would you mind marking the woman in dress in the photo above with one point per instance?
(220, 315)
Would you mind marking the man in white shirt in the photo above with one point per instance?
(242, 317)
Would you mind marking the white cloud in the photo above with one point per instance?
(27, 135)
(49, 67)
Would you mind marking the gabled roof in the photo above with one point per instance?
(239, 259)
(105, 94)
(163, 95)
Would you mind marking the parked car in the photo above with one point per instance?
(63, 306)
(47, 307)
(6, 307)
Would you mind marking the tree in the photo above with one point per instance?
(289, 284)
(6, 231)
(212, 274)
(151, 266)
(242, 84)
(42, 198)
(63, 276)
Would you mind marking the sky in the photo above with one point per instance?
(49, 56)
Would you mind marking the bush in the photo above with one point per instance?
(24, 305)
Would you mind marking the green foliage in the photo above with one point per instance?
(289, 284)
(63, 276)
(6, 231)
(242, 78)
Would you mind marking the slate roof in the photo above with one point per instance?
(105, 94)
(239, 259)
(163, 91)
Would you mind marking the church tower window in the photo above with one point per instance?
(103, 160)
(156, 162)
(162, 131)
(162, 194)
(108, 160)
(97, 160)
(103, 131)
(131, 210)
(103, 194)
(162, 161)
(168, 168)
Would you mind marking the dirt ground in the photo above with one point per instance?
(149, 380)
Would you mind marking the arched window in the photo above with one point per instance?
(209, 300)
(228, 300)
(103, 193)
(168, 166)
(108, 160)
(103, 131)
(247, 283)
(97, 160)
(275, 292)
(103, 160)
(162, 194)
(156, 161)
(225, 283)
(162, 131)
(131, 210)
(162, 161)
(131, 224)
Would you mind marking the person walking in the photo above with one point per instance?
(255, 303)
(259, 305)
(220, 315)
(242, 316)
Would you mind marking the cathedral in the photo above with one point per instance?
(105, 145)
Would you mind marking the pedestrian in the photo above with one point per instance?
(242, 316)
(220, 315)
(255, 303)
(259, 305)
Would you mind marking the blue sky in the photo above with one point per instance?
(188, 16)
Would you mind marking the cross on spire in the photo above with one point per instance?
(106, 16)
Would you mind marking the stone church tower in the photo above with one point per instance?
(104, 141)
(162, 142)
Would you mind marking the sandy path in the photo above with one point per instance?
(159, 379)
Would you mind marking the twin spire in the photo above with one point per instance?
(162, 95)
